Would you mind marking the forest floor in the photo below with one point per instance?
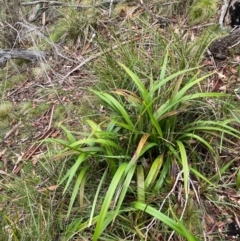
(37, 99)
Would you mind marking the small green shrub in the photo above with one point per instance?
(147, 133)
(73, 26)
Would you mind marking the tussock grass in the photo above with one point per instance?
(202, 10)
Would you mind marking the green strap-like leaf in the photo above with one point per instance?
(107, 200)
(177, 227)
(184, 160)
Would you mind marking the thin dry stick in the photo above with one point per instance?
(12, 130)
(197, 195)
(96, 56)
(51, 118)
(56, 3)
(185, 206)
(234, 45)
(183, 211)
(211, 58)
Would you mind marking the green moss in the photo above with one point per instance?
(28, 109)
(5, 109)
(39, 109)
(17, 79)
(60, 112)
(4, 127)
(24, 107)
(20, 62)
(9, 82)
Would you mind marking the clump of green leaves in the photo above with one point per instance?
(202, 10)
(147, 133)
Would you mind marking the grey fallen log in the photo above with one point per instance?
(29, 55)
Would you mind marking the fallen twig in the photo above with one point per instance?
(12, 130)
(61, 4)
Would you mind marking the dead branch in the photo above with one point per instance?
(29, 55)
(56, 3)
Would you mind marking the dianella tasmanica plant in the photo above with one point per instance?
(151, 139)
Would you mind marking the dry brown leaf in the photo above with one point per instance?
(52, 188)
